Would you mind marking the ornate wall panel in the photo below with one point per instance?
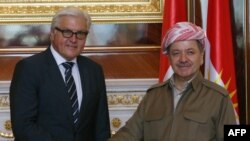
(40, 11)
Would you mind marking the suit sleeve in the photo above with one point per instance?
(24, 104)
(102, 116)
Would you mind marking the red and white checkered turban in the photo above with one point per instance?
(183, 31)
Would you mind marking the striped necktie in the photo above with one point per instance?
(71, 88)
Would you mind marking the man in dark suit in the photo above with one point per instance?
(47, 103)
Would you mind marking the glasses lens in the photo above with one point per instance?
(81, 35)
(67, 33)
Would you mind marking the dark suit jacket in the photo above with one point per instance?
(40, 107)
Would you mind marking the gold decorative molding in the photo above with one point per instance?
(7, 125)
(8, 133)
(102, 11)
(116, 122)
(17, 50)
(124, 99)
(4, 102)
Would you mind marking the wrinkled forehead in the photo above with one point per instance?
(186, 45)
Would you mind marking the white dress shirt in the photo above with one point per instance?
(75, 72)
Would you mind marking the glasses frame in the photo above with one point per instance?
(78, 33)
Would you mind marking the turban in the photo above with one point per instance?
(183, 31)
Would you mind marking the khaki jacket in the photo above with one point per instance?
(200, 115)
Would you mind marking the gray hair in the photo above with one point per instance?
(70, 11)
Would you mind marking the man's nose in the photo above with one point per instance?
(183, 57)
(73, 38)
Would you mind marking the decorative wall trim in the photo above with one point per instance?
(24, 51)
(4, 102)
(129, 84)
(4, 97)
(127, 92)
(125, 98)
(120, 91)
(102, 11)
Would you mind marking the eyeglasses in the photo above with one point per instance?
(68, 33)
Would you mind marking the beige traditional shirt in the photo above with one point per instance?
(177, 94)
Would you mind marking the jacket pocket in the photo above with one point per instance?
(196, 117)
(197, 126)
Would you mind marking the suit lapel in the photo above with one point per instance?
(58, 82)
(85, 86)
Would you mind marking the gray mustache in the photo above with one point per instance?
(183, 64)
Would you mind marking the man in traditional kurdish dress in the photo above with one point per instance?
(185, 107)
